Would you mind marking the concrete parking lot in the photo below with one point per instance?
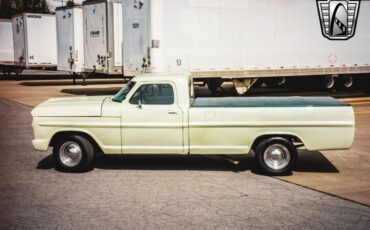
(173, 191)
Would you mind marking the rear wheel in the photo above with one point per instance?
(73, 153)
(276, 155)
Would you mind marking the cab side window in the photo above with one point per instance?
(154, 94)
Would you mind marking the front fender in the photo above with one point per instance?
(106, 132)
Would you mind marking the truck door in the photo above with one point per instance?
(152, 121)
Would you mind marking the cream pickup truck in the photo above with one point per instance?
(158, 114)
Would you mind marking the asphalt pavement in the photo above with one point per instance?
(153, 192)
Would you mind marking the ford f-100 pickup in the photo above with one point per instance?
(158, 114)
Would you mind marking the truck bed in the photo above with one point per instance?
(235, 102)
(232, 124)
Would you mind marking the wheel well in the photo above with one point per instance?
(293, 139)
(63, 134)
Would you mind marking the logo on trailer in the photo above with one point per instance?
(338, 18)
(94, 33)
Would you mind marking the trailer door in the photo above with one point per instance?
(95, 35)
(18, 36)
(136, 15)
(6, 44)
(41, 40)
(65, 38)
(117, 34)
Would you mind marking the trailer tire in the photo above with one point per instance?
(73, 153)
(346, 82)
(328, 82)
(275, 82)
(276, 156)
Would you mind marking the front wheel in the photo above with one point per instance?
(276, 156)
(73, 153)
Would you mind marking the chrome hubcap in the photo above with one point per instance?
(276, 156)
(70, 154)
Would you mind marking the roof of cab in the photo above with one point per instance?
(162, 77)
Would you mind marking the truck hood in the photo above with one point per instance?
(70, 107)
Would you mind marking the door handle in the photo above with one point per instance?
(172, 112)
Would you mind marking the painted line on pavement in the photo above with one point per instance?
(364, 112)
(340, 196)
(354, 99)
(360, 103)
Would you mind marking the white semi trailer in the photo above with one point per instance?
(70, 39)
(245, 40)
(35, 42)
(6, 46)
(6, 38)
(102, 23)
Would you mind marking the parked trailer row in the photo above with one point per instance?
(244, 40)
(28, 41)
(78, 39)
(216, 41)
(90, 38)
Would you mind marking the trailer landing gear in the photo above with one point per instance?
(214, 84)
(243, 85)
(83, 75)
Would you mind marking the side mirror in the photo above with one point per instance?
(139, 104)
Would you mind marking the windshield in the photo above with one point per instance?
(121, 95)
